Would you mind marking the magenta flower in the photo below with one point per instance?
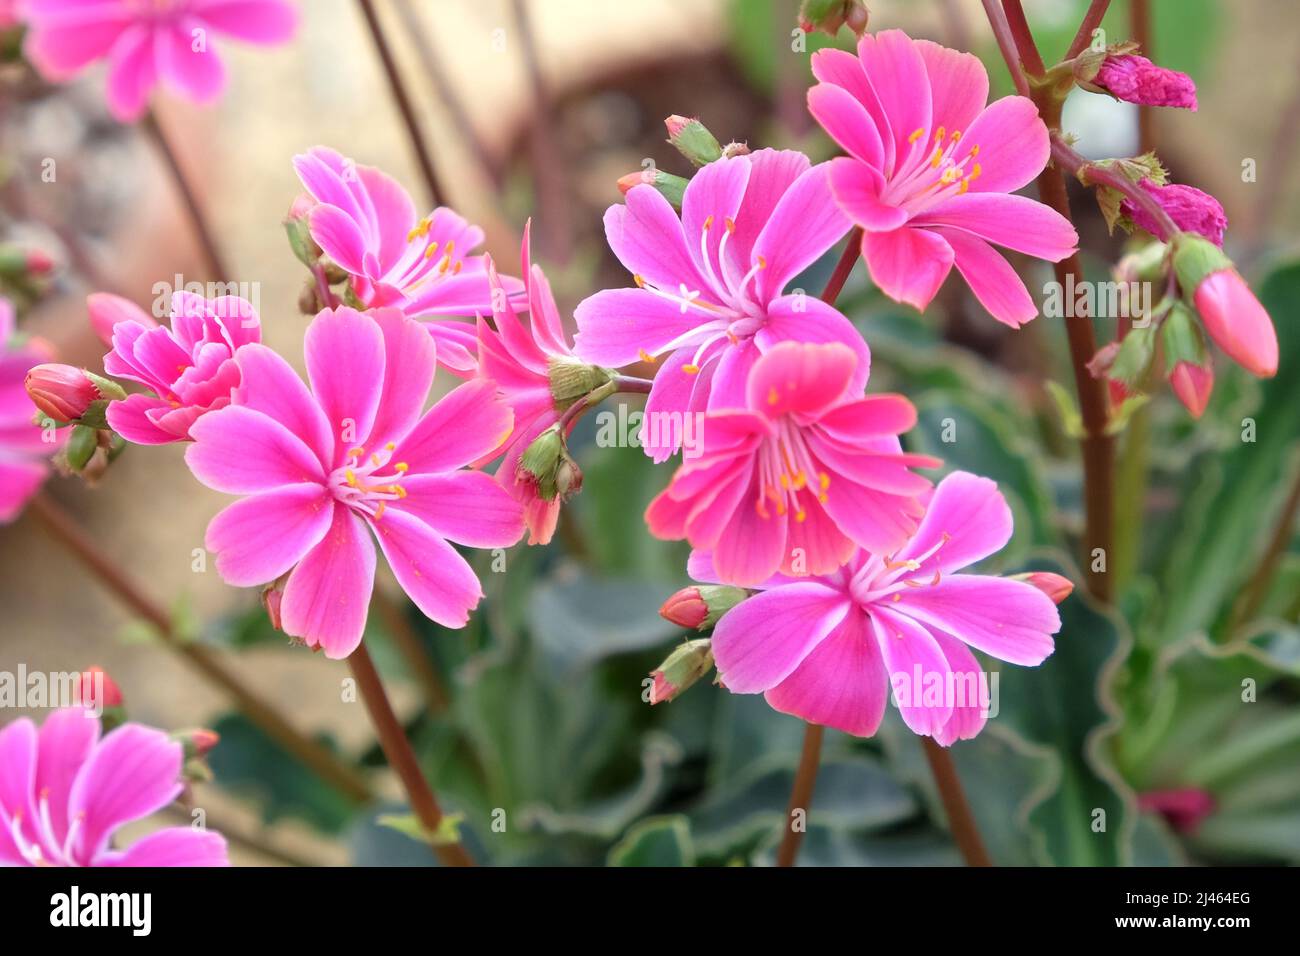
(168, 41)
(64, 792)
(710, 284)
(356, 452)
(366, 223)
(931, 170)
(1191, 209)
(801, 476)
(24, 451)
(518, 359)
(189, 368)
(829, 649)
(1135, 79)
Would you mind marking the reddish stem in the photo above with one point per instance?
(805, 779)
(1091, 20)
(960, 819)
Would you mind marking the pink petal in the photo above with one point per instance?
(804, 318)
(847, 122)
(907, 264)
(409, 364)
(761, 641)
(897, 72)
(804, 224)
(616, 325)
(994, 282)
(468, 507)
(1013, 142)
(967, 519)
(914, 661)
(240, 451)
(132, 73)
(197, 74)
(456, 345)
(130, 419)
(713, 196)
(327, 596)
(345, 364)
(264, 22)
(846, 70)
(19, 747)
(646, 236)
(857, 189)
(106, 310)
(176, 846)
(133, 772)
(803, 379)
(67, 739)
(59, 44)
(663, 426)
(270, 386)
(339, 235)
(430, 571)
(771, 173)
(842, 682)
(729, 375)
(19, 480)
(970, 692)
(878, 520)
(814, 541)
(468, 424)
(1011, 620)
(750, 548)
(257, 539)
(959, 85)
(1016, 222)
(869, 416)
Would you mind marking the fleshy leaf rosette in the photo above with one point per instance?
(190, 367)
(801, 476)
(65, 791)
(931, 170)
(148, 43)
(711, 284)
(830, 648)
(367, 224)
(356, 454)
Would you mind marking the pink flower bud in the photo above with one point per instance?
(1192, 384)
(96, 689)
(38, 263)
(1135, 79)
(1184, 807)
(1237, 322)
(107, 310)
(1191, 209)
(627, 183)
(686, 608)
(1055, 586)
(61, 391)
(684, 666)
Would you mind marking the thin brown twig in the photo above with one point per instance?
(1140, 27)
(1091, 21)
(397, 87)
(960, 819)
(397, 749)
(399, 628)
(1007, 45)
(840, 275)
(202, 228)
(324, 762)
(805, 780)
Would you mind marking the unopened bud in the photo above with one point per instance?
(682, 668)
(61, 391)
(829, 15)
(297, 229)
(669, 186)
(96, 689)
(693, 140)
(1233, 317)
(1055, 586)
(198, 742)
(571, 379)
(700, 606)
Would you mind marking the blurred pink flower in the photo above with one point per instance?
(171, 41)
(806, 472)
(710, 284)
(1191, 209)
(356, 451)
(24, 452)
(64, 792)
(931, 170)
(517, 358)
(830, 648)
(1135, 79)
(366, 223)
(8, 14)
(189, 367)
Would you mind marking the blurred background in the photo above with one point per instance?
(535, 711)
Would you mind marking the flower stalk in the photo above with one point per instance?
(216, 264)
(805, 780)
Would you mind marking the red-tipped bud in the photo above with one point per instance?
(96, 689)
(829, 15)
(107, 310)
(693, 140)
(1237, 322)
(39, 263)
(197, 743)
(629, 182)
(682, 668)
(1193, 385)
(297, 229)
(700, 606)
(1055, 586)
(62, 392)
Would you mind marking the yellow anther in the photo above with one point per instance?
(916, 134)
(785, 481)
(975, 150)
(708, 223)
(421, 228)
(975, 172)
(640, 283)
(357, 452)
(730, 224)
(352, 479)
(399, 491)
(772, 396)
(956, 136)
(445, 262)
(939, 134)
(379, 512)
(401, 467)
(965, 185)
(691, 369)
(822, 498)
(645, 356)
(824, 480)
(800, 480)
(431, 251)
(898, 597)
(762, 262)
(455, 270)
(800, 515)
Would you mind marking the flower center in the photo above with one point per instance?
(884, 579)
(929, 173)
(785, 469)
(433, 263)
(366, 483)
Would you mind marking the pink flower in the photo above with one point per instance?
(64, 792)
(367, 224)
(189, 367)
(518, 359)
(1191, 209)
(355, 452)
(830, 648)
(8, 14)
(710, 284)
(1135, 79)
(931, 169)
(23, 448)
(146, 42)
(1238, 322)
(808, 470)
